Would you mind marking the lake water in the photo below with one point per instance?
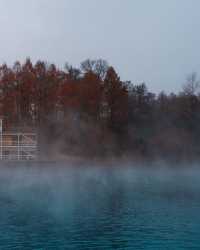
(99, 208)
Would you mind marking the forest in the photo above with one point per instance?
(90, 112)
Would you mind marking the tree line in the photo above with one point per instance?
(90, 111)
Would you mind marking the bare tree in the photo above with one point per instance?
(99, 67)
(192, 85)
(73, 73)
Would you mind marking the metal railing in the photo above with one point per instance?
(18, 146)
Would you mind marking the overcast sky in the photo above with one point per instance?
(155, 41)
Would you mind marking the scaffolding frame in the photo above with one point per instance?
(18, 146)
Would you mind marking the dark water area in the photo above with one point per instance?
(99, 208)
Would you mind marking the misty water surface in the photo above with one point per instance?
(99, 208)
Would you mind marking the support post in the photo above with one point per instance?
(1, 138)
(18, 146)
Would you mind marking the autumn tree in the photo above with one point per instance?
(91, 93)
(115, 99)
(46, 90)
(8, 95)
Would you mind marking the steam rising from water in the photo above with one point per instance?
(54, 207)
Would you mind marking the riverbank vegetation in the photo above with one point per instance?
(89, 111)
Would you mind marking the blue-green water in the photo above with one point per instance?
(99, 208)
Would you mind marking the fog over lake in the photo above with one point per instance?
(95, 207)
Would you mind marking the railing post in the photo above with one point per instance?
(18, 146)
(1, 138)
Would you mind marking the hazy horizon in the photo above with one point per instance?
(153, 42)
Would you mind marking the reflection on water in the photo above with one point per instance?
(97, 208)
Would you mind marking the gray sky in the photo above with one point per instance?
(155, 41)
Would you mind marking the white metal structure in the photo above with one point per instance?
(18, 146)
